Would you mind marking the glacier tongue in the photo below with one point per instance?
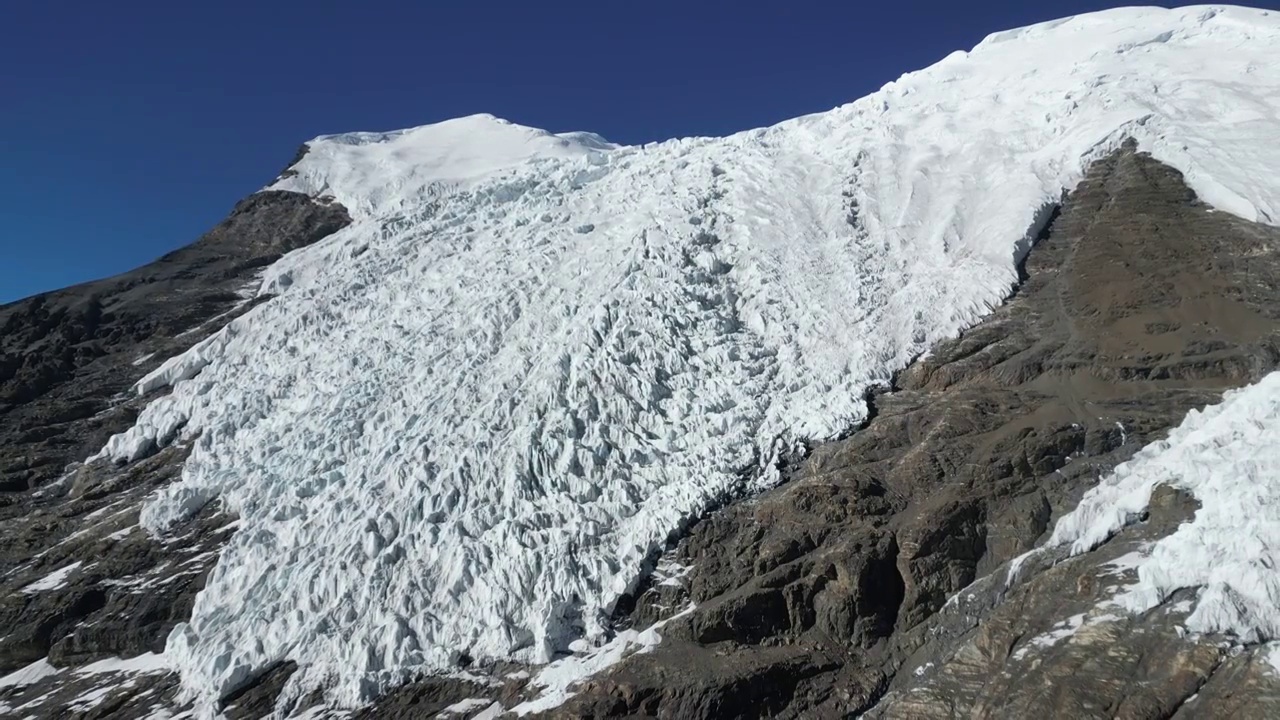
(468, 419)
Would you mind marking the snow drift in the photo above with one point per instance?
(470, 418)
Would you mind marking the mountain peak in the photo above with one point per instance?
(366, 171)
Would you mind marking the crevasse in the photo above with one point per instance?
(467, 420)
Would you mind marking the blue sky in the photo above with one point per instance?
(127, 129)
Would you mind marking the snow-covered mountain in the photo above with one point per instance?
(464, 427)
(469, 420)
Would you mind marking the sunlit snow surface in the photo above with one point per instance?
(469, 418)
(1228, 457)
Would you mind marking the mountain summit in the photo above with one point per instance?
(385, 172)
(507, 422)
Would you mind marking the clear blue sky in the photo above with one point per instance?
(128, 128)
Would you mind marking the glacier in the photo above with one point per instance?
(1227, 456)
(466, 424)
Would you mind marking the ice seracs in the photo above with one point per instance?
(468, 421)
(1227, 457)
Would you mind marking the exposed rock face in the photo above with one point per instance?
(79, 581)
(872, 582)
(1048, 649)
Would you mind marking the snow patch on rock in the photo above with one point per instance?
(29, 675)
(54, 580)
(558, 679)
(145, 663)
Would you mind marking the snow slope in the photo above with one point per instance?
(470, 419)
(1228, 457)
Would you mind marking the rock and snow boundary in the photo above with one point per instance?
(1228, 457)
(469, 419)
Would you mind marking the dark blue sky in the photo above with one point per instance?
(128, 128)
